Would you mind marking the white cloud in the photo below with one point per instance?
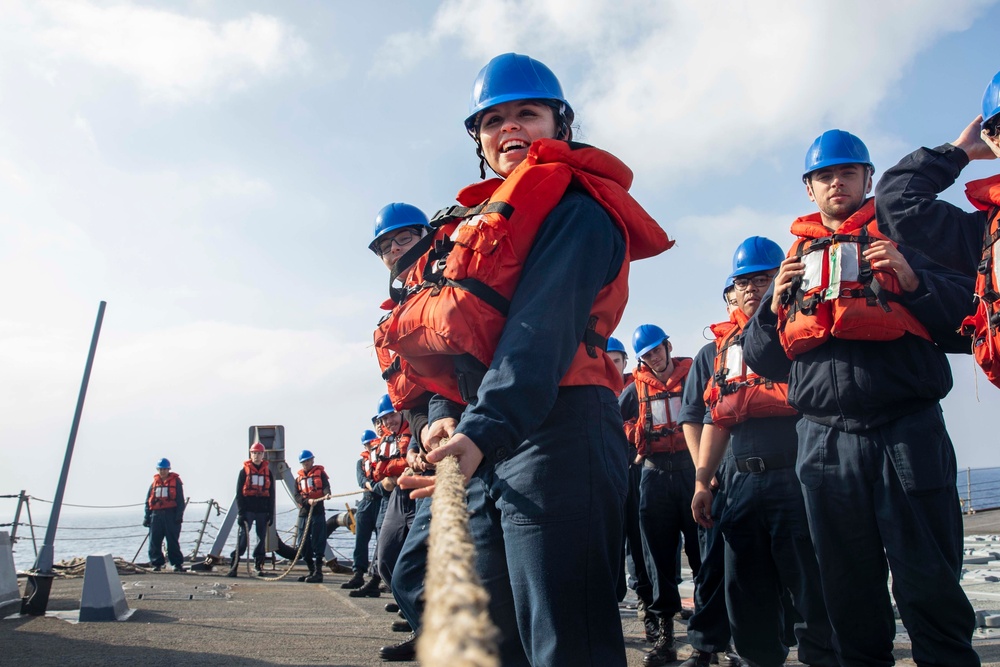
(681, 88)
(170, 57)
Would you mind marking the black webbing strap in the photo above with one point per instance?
(592, 340)
(451, 213)
(397, 294)
(482, 291)
(394, 367)
(991, 292)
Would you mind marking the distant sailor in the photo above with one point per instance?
(312, 488)
(254, 506)
(164, 514)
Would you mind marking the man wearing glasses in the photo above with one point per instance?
(860, 327)
(909, 212)
(768, 548)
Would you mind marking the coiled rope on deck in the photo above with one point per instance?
(457, 630)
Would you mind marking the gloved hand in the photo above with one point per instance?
(145, 522)
(241, 518)
(270, 519)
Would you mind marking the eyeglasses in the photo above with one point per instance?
(402, 239)
(762, 280)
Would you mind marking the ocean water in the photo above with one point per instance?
(83, 532)
(119, 531)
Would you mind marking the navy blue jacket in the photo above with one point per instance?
(910, 213)
(577, 251)
(858, 385)
(693, 408)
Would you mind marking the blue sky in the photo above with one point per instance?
(212, 170)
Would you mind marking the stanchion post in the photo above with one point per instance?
(17, 518)
(201, 533)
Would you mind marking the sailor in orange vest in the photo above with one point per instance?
(860, 327)
(910, 212)
(768, 548)
(312, 488)
(164, 515)
(650, 407)
(534, 283)
(708, 627)
(254, 506)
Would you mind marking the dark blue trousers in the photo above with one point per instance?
(665, 493)
(257, 521)
(708, 628)
(635, 561)
(768, 551)
(164, 525)
(886, 500)
(395, 526)
(364, 517)
(547, 525)
(411, 566)
(314, 534)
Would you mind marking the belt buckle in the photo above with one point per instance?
(755, 464)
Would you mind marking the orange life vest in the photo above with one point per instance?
(734, 392)
(455, 299)
(391, 453)
(984, 325)
(656, 430)
(310, 484)
(840, 294)
(163, 494)
(256, 481)
(403, 391)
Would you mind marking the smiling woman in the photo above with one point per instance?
(529, 278)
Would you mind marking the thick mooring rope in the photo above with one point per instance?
(457, 630)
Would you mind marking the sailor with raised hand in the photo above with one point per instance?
(860, 327)
(910, 212)
(524, 301)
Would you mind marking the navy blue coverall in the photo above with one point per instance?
(877, 470)
(546, 504)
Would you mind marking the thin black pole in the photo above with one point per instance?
(43, 564)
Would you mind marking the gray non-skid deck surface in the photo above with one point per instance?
(207, 619)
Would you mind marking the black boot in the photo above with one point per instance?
(357, 581)
(312, 570)
(234, 566)
(404, 651)
(663, 652)
(369, 590)
(700, 659)
(317, 576)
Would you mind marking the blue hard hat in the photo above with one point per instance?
(646, 337)
(510, 77)
(163, 463)
(396, 216)
(305, 455)
(368, 436)
(991, 99)
(754, 255)
(836, 147)
(384, 407)
(615, 345)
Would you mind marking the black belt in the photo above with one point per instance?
(669, 462)
(759, 464)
